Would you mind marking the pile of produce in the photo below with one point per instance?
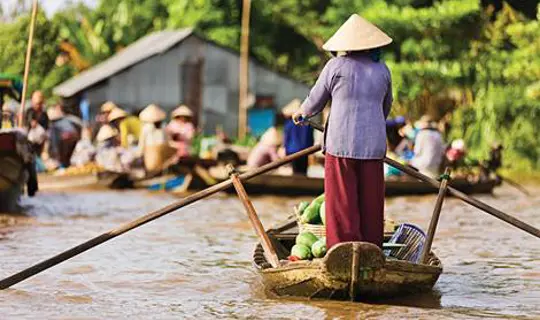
(312, 213)
(308, 246)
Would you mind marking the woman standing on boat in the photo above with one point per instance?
(360, 88)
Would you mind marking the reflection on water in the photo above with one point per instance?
(195, 263)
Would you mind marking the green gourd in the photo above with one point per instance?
(301, 251)
(306, 238)
(318, 249)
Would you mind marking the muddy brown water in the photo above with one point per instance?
(195, 263)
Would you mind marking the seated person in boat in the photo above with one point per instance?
(494, 163)
(181, 131)
(128, 126)
(37, 136)
(110, 155)
(266, 150)
(85, 151)
(153, 142)
(455, 155)
(296, 138)
(8, 117)
(37, 110)
(102, 118)
(63, 136)
(429, 147)
(359, 85)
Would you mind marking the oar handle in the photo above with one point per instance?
(456, 193)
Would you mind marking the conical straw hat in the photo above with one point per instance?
(106, 132)
(117, 113)
(357, 34)
(182, 111)
(152, 113)
(108, 106)
(291, 107)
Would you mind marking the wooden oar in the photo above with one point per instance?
(268, 247)
(515, 185)
(456, 193)
(435, 217)
(46, 264)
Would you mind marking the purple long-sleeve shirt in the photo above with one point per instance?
(361, 94)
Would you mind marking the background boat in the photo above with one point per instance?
(15, 156)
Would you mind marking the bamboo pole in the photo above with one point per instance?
(27, 63)
(435, 217)
(94, 242)
(269, 250)
(243, 78)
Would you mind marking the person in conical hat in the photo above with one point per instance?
(107, 107)
(106, 133)
(429, 147)
(182, 111)
(153, 144)
(296, 138)
(109, 154)
(128, 125)
(359, 86)
(8, 117)
(181, 130)
(152, 114)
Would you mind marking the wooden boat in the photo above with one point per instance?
(349, 271)
(303, 185)
(86, 181)
(15, 157)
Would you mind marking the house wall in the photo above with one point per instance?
(159, 80)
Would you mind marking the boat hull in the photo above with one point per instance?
(349, 271)
(302, 185)
(13, 175)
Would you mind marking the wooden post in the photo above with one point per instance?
(267, 245)
(355, 269)
(435, 217)
(243, 77)
(20, 122)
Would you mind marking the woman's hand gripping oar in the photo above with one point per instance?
(456, 193)
(46, 264)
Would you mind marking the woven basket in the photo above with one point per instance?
(320, 230)
(317, 229)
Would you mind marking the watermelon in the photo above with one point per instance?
(322, 213)
(318, 248)
(306, 238)
(302, 206)
(301, 251)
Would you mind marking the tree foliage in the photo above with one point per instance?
(479, 59)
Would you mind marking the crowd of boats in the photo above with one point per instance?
(124, 150)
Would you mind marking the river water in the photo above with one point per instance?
(195, 263)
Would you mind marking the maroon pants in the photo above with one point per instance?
(354, 192)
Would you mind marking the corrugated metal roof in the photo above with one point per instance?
(148, 46)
